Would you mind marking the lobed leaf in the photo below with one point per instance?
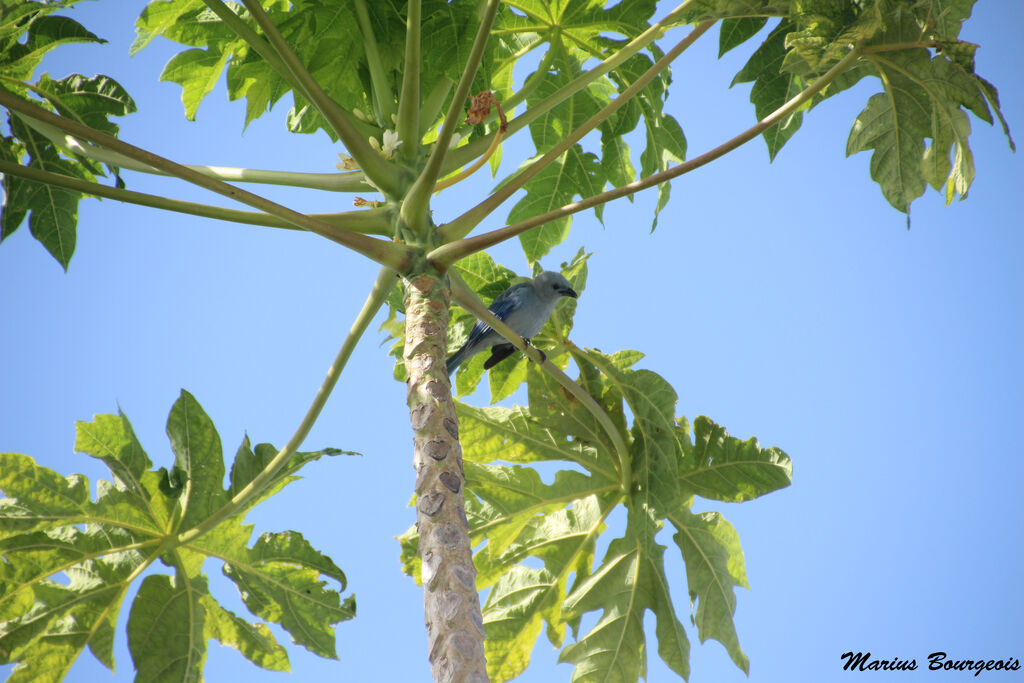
(27, 32)
(255, 642)
(773, 86)
(50, 528)
(721, 467)
(197, 71)
(714, 566)
(279, 581)
(199, 460)
(167, 629)
(630, 581)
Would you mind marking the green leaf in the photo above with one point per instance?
(157, 18)
(523, 599)
(279, 579)
(54, 217)
(447, 33)
(325, 37)
(47, 624)
(167, 630)
(714, 565)
(88, 100)
(49, 527)
(665, 141)
(484, 276)
(630, 581)
(558, 122)
(16, 192)
(522, 516)
(199, 460)
(823, 31)
(577, 27)
(197, 72)
(260, 84)
(773, 87)
(924, 97)
(513, 619)
(30, 32)
(250, 462)
(721, 467)
(514, 516)
(575, 173)
(254, 641)
(112, 439)
(734, 32)
(656, 451)
(615, 161)
(53, 211)
(992, 97)
(505, 377)
(894, 125)
(38, 497)
(703, 10)
(578, 32)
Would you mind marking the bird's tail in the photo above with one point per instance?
(455, 360)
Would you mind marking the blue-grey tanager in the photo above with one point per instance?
(524, 307)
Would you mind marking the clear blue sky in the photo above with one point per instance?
(785, 301)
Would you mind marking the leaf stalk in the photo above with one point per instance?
(462, 155)
(337, 182)
(409, 102)
(378, 294)
(462, 225)
(443, 254)
(372, 222)
(386, 253)
(417, 201)
(382, 88)
(377, 169)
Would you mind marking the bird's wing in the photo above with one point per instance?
(506, 302)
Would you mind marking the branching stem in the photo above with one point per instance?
(253, 39)
(462, 155)
(461, 226)
(447, 254)
(414, 208)
(386, 253)
(465, 173)
(377, 169)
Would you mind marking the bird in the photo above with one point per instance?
(524, 307)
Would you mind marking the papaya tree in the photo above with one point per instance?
(420, 95)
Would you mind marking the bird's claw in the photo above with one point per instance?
(543, 356)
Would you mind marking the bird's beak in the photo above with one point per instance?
(571, 292)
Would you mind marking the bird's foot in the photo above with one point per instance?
(543, 356)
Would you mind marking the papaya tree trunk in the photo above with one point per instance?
(455, 632)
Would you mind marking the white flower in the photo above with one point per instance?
(391, 143)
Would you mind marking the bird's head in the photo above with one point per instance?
(551, 285)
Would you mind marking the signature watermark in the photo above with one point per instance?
(937, 661)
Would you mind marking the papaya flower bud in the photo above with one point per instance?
(391, 143)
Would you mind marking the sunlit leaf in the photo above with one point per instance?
(49, 528)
